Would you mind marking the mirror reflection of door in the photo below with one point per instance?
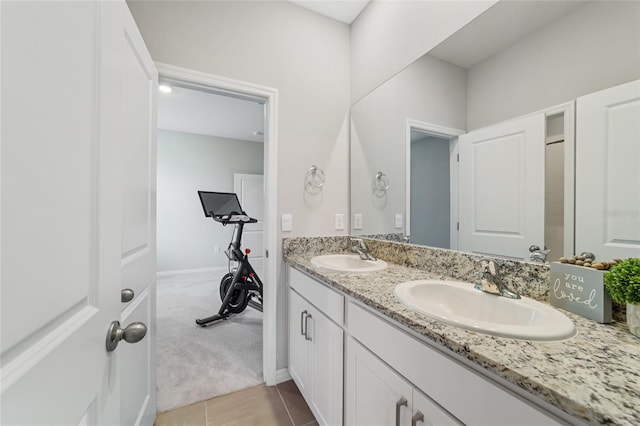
(430, 190)
(502, 187)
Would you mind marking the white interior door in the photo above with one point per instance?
(63, 130)
(608, 172)
(501, 194)
(250, 191)
(132, 109)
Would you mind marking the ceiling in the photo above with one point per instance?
(197, 111)
(500, 26)
(341, 10)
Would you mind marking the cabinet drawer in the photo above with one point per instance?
(330, 302)
(468, 396)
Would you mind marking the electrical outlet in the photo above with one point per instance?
(398, 221)
(287, 222)
(339, 221)
(216, 249)
(357, 221)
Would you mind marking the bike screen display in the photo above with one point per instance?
(219, 203)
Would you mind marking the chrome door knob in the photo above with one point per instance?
(126, 295)
(133, 333)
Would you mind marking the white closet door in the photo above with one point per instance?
(501, 195)
(608, 172)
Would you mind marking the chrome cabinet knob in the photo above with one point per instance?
(133, 333)
(126, 295)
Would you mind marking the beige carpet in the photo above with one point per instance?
(194, 363)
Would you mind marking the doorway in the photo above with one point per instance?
(430, 190)
(245, 155)
(431, 197)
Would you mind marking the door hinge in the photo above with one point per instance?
(266, 254)
(458, 157)
(457, 226)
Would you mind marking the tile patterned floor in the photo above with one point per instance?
(280, 405)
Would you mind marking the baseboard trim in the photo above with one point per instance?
(164, 274)
(282, 375)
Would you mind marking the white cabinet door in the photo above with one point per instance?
(299, 350)
(316, 359)
(375, 394)
(326, 368)
(501, 187)
(69, 105)
(608, 172)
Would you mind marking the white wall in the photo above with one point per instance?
(304, 56)
(594, 47)
(188, 163)
(387, 36)
(276, 44)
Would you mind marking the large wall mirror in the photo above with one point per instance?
(508, 79)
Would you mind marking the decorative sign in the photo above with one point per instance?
(580, 290)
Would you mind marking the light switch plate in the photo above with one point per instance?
(357, 221)
(398, 221)
(339, 221)
(287, 222)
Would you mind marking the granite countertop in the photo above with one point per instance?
(594, 376)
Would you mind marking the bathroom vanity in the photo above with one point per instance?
(360, 357)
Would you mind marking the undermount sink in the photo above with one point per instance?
(459, 304)
(347, 263)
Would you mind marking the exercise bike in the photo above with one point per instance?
(241, 286)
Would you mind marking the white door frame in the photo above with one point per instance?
(440, 132)
(270, 95)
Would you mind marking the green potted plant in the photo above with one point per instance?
(623, 284)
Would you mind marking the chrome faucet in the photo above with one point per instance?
(538, 255)
(361, 248)
(490, 282)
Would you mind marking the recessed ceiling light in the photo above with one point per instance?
(164, 88)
